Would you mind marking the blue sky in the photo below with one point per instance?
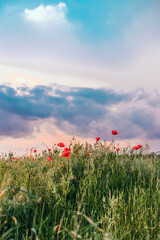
(97, 20)
(80, 68)
(94, 21)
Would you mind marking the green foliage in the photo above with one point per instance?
(95, 194)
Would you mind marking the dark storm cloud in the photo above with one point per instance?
(13, 125)
(100, 96)
(146, 121)
(36, 104)
(136, 121)
(89, 111)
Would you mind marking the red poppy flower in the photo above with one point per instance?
(67, 149)
(50, 158)
(35, 150)
(139, 146)
(13, 158)
(114, 132)
(66, 154)
(133, 162)
(61, 144)
(136, 147)
(49, 149)
(117, 149)
(97, 139)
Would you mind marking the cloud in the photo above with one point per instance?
(50, 15)
(78, 111)
(101, 96)
(129, 61)
(13, 125)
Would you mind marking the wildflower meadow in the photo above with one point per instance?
(81, 191)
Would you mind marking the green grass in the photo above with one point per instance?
(99, 195)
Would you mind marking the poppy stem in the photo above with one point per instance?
(113, 143)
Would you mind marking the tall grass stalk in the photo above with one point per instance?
(95, 194)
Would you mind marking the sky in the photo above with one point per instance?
(79, 68)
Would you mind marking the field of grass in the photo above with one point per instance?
(96, 193)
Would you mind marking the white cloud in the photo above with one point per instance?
(50, 15)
